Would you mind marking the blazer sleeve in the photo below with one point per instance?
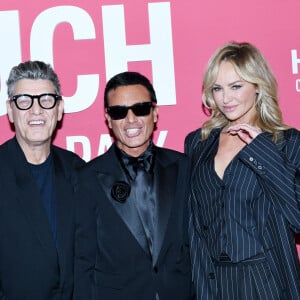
(278, 171)
(85, 239)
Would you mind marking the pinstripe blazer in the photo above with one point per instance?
(253, 210)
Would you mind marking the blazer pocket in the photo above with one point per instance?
(114, 281)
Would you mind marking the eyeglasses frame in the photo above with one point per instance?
(38, 97)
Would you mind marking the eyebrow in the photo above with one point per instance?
(231, 83)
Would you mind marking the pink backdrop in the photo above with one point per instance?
(170, 41)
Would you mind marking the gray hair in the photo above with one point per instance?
(32, 70)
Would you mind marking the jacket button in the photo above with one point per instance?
(211, 275)
(155, 269)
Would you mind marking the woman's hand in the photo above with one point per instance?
(246, 132)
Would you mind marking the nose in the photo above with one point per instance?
(131, 117)
(35, 108)
(226, 96)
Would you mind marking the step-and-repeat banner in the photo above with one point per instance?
(87, 42)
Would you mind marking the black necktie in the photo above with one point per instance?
(140, 171)
(144, 199)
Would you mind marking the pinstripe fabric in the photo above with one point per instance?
(251, 212)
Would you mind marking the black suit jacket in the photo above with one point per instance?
(31, 268)
(113, 260)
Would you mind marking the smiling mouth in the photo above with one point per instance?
(131, 132)
(36, 122)
(229, 108)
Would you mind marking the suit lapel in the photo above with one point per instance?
(127, 210)
(64, 210)
(30, 200)
(166, 195)
(204, 149)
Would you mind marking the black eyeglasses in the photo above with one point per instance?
(25, 101)
(118, 112)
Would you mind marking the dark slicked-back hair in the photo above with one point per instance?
(128, 78)
(32, 70)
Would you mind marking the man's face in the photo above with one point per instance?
(35, 126)
(133, 133)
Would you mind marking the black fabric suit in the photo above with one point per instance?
(31, 268)
(111, 247)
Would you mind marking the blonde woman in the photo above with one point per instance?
(244, 199)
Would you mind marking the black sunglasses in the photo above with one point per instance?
(118, 112)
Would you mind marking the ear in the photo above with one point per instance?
(9, 111)
(108, 119)
(60, 109)
(155, 114)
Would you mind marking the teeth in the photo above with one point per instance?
(132, 131)
(36, 122)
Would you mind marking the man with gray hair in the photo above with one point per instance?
(37, 183)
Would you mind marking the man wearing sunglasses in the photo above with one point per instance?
(37, 182)
(131, 239)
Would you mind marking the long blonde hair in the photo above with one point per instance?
(252, 67)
